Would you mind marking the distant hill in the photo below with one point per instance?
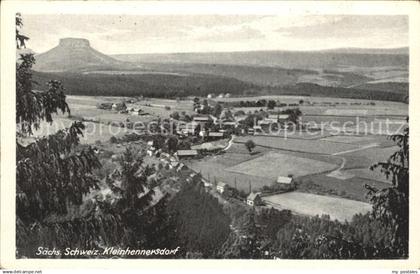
(326, 59)
(76, 54)
(363, 73)
(265, 76)
(398, 51)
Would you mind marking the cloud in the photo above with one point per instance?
(348, 26)
(181, 33)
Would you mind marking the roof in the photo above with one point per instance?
(284, 180)
(279, 116)
(187, 152)
(229, 123)
(193, 174)
(216, 134)
(221, 184)
(252, 196)
(201, 118)
(264, 122)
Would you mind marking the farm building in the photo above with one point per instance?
(221, 187)
(194, 176)
(254, 199)
(181, 167)
(186, 153)
(107, 106)
(257, 129)
(119, 106)
(202, 119)
(206, 183)
(174, 164)
(135, 111)
(229, 124)
(265, 122)
(186, 129)
(286, 183)
(215, 135)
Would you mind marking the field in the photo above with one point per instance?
(309, 146)
(312, 205)
(93, 132)
(85, 106)
(322, 161)
(215, 168)
(273, 164)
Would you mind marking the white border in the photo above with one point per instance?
(9, 8)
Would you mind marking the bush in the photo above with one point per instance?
(113, 140)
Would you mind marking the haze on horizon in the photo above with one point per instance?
(123, 34)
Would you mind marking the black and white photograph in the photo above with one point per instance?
(211, 136)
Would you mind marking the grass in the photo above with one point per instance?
(353, 188)
(272, 164)
(312, 205)
(300, 145)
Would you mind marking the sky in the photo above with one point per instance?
(114, 34)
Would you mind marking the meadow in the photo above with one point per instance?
(299, 145)
(310, 204)
(274, 164)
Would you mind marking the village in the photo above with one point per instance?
(209, 130)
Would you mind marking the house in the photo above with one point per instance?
(211, 95)
(257, 129)
(221, 95)
(135, 111)
(195, 176)
(283, 117)
(265, 122)
(202, 119)
(227, 95)
(180, 167)
(254, 199)
(206, 183)
(229, 124)
(107, 106)
(286, 183)
(186, 153)
(119, 106)
(221, 187)
(174, 164)
(251, 131)
(165, 155)
(215, 135)
(186, 129)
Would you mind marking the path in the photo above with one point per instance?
(230, 143)
(356, 149)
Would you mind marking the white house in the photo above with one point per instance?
(254, 199)
(186, 153)
(221, 187)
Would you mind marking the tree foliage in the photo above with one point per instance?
(390, 205)
(201, 225)
(250, 145)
